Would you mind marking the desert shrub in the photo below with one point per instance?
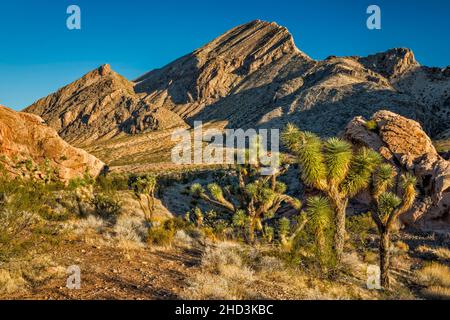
(372, 125)
(401, 246)
(80, 182)
(111, 183)
(55, 214)
(163, 234)
(106, 206)
(437, 293)
(160, 236)
(24, 205)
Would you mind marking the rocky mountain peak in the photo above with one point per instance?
(104, 69)
(252, 40)
(391, 63)
(221, 67)
(100, 105)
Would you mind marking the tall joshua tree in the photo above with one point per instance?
(252, 199)
(388, 207)
(332, 167)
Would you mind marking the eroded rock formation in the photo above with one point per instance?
(404, 144)
(29, 147)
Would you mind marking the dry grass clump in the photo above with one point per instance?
(131, 230)
(437, 279)
(89, 224)
(223, 275)
(437, 293)
(439, 252)
(10, 282)
(234, 271)
(435, 274)
(17, 275)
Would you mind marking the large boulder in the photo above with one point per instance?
(29, 147)
(404, 144)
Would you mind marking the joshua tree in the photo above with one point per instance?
(387, 209)
(321, 224)
(145, 187)
(251, 199)
(332, 167)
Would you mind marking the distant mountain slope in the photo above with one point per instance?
(29, 147)
(99, 106)
(252, 76)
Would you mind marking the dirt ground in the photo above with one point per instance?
(111, 273)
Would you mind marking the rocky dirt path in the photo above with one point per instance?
(111, 273)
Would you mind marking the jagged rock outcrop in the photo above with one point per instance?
(392, 63)
(403, 143)
(29, 147)
(99, 106)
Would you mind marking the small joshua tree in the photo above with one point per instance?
(145, 187)
(251, 199)
(388, 207)
(284, 227)
(332, 167)
(320, 223)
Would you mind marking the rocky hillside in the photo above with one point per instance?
(99, 106)
(29, 147)
(252, 76)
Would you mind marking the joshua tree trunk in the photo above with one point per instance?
(251, 231)
(151, 204)
(340, 208)
(385, 257)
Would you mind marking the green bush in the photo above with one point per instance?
(106, 206)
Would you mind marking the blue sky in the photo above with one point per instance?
(38, 54)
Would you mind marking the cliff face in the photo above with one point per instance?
(250, 77)
(26, 141)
